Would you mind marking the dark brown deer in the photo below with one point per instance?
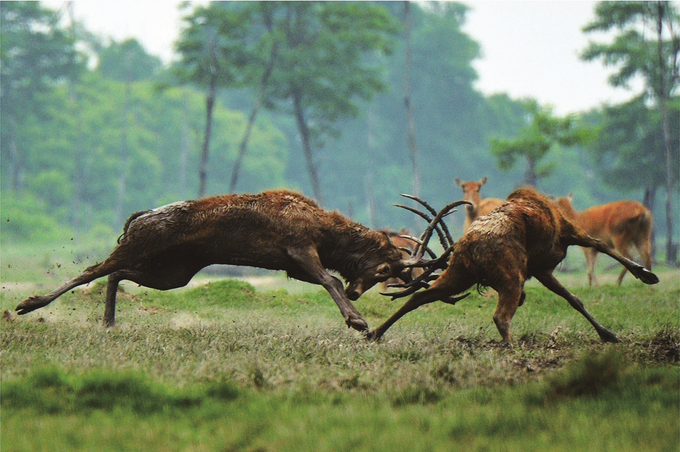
(165, 247)
(619, 224)
(477, 206)
(526, 237)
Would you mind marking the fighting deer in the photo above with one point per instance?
(619, 224)
(526, 237)
(477, 206)
(403, 240)
(165, 247)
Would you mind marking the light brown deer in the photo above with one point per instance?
(526, 237)
(477, 206)
(165, 247)
(619, 224)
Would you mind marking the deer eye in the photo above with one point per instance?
(383, 270)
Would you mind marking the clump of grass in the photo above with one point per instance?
(51, 391)
(587, 377)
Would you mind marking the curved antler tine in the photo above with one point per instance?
(420, 243)
(430, 209)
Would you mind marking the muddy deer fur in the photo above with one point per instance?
(619, 224)
(478, 206)
(165, 247)
(526, 237)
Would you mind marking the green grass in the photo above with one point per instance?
(232, 365)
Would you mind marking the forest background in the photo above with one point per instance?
(94, 129)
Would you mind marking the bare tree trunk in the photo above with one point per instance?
(124, 157)
(184, 150)
(306, 147)
(253, 114)
(649, 202)
(370, 195)
(209, 103)
(411, 131)
(671, 248)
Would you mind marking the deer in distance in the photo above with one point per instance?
(526, 237)
(477, 206)
(619, 224)
(165, 247)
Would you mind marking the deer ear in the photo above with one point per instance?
(482, 181)
(458, 182)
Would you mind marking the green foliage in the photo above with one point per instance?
(542, 133)
(27, 218)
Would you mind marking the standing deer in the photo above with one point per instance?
(526, 237)
(618, 224)
(477, 206)
(165, 247)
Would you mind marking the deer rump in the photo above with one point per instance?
(165, 247)
(526, 237)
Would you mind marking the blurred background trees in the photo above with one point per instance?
(309, 96)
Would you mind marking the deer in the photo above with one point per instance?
(403, 240)
(164, 248)
(477, 206)
(619, 224)
(527, 236)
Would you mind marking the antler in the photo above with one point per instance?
(435, 224)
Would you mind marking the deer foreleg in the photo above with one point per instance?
(549, 281)
(309, 262)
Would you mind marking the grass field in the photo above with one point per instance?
(268, 365)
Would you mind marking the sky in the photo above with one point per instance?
(529, 48)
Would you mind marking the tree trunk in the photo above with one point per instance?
(671, 248)
(203, 166)
(184, 149)
(411, 131)
(253, 114)
(124, 157)
(306, 147)
(530, 178)
(649, 202)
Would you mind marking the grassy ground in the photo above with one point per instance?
(269, 366)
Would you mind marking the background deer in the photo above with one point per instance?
(165, 247)
(404, 241)
(477, 206)
(526, 237)
(619, 224)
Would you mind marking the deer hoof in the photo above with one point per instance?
(31, 304)
(358, 324)
(646, 276)
(373, 336)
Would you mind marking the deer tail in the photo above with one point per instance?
(132, 218)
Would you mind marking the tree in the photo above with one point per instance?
(212, 55)
(126, 62)
(654, 59)
(535, 139)
(35, 54)
(324, 66)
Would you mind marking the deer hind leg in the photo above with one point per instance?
(624, 250)
(549, 281)
(637, 270)
(591, 260)
(166, 277)
(510, 296)
(39, 301)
